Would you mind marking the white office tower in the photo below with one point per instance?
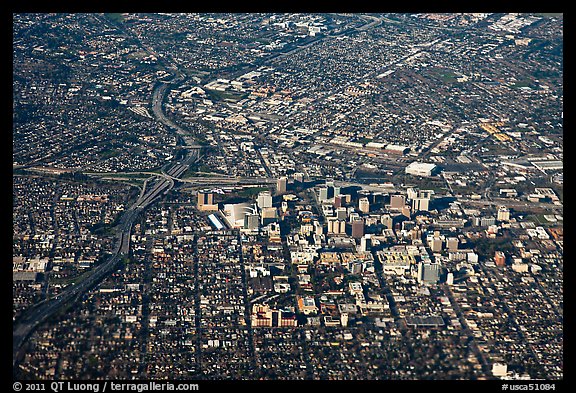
(337, 190)
(364, 205)
(420, 204)
(365, 243)
(264, 200)
(344, 319)
(323, 194)
(281, 185)
(499, 369)
(503, 214)
(353, 216)
(421, 200)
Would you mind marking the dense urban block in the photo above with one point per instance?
(287, 196)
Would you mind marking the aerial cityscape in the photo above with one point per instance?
(274, 196)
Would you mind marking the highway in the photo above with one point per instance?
(40, 312)
(157, 98)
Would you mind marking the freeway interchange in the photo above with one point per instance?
(40, 312)
(152, 189)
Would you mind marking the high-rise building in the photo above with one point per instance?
(282, 185)
(408, 225)
(331, 222)
(342, 227)
(323, 194)
(436, 245)
(387, 220)
(264, 200)
(365, 243)
(274, 232)
(341, 213)
(328, 192)
(338, 201)
(452, 243)
(425, 194)
(344, 319)
(269, 214)
(358, 228)
(397, 201)
(352, 215)
(503, 214)
(205, 198)
(206, 201)
(450, 278)
(485, 221)
(420, 204)
(336, 191)
(428, 273)
(406, 211)
(415, 234)
(500, 259)
(251, 221)
(364, 205)
(472, 257)
(318, 229)
(336, 226)
(377, 197)
(421, 199)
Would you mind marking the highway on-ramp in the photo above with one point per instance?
(40, 312)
